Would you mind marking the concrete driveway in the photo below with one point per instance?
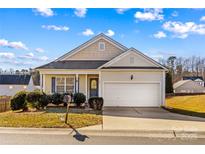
(124, 118)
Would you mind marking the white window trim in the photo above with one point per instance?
(65, 83)
(99, 49)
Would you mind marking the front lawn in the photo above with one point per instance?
(195, 103)
(47, 119)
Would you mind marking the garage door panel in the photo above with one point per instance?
(131, 94)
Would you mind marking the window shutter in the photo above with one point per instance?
(53, 84)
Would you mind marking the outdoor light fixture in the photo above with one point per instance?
(10, 87)
(131, 77)
(24, 87)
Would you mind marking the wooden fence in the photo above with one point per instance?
(4, 103)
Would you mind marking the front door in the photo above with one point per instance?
(93, 87)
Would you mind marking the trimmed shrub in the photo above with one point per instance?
(18, 101)
(96, 103)
(44, 100)
(57, 98)
(79, 98)
(33, 99)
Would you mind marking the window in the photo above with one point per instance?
(93, 84)
(70, 84)
(101, 46)
(60, 83)
(65, 84)
(132, 60)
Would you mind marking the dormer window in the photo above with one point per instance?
(101, 46)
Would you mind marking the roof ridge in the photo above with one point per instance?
(90, 40)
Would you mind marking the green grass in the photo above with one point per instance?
(47, 120)
(195, 103)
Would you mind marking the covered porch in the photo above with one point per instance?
(87, 82)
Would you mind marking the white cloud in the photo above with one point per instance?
(202, 18)
(182, 30)
(7, 55)
(110, 33)
(3, 42)
(39, 50)
(55, 28)
(15, 45)
(149, 15)
(46, 12)
(122, 10)
(160, 34)
(27, 56)
(80, 12)
(88, 32)
(31, 56)
(15, 62)
(43, 58)
(174, 14)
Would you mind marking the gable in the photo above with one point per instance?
(92, 52)
(133, 59)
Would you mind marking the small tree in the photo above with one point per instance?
(169, 85)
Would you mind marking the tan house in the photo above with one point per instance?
(103, 67)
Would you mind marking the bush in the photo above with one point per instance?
(33, 99)
(19, 101)
(79, 98)
(57, 98)
(44, 100)
(96, 103)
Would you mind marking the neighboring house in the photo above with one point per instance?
(198, 79)
(188, 86)
(105, 68)
(11, 84)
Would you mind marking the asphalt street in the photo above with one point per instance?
(59, 139)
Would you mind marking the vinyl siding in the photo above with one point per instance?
(92, 53)
(137, 61)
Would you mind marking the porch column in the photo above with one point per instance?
(41, 85)
(86, 86)
(76, 83)
(44, 83)
(99, 85)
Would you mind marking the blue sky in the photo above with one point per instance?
(32, 37)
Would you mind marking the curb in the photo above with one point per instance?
(130, 133)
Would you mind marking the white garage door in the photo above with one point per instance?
(132, 94)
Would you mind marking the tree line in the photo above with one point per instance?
(180, 66)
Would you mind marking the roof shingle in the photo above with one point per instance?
(15, 79)
(74, 64)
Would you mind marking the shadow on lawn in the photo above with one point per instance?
(78, 136)
(61, 109)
